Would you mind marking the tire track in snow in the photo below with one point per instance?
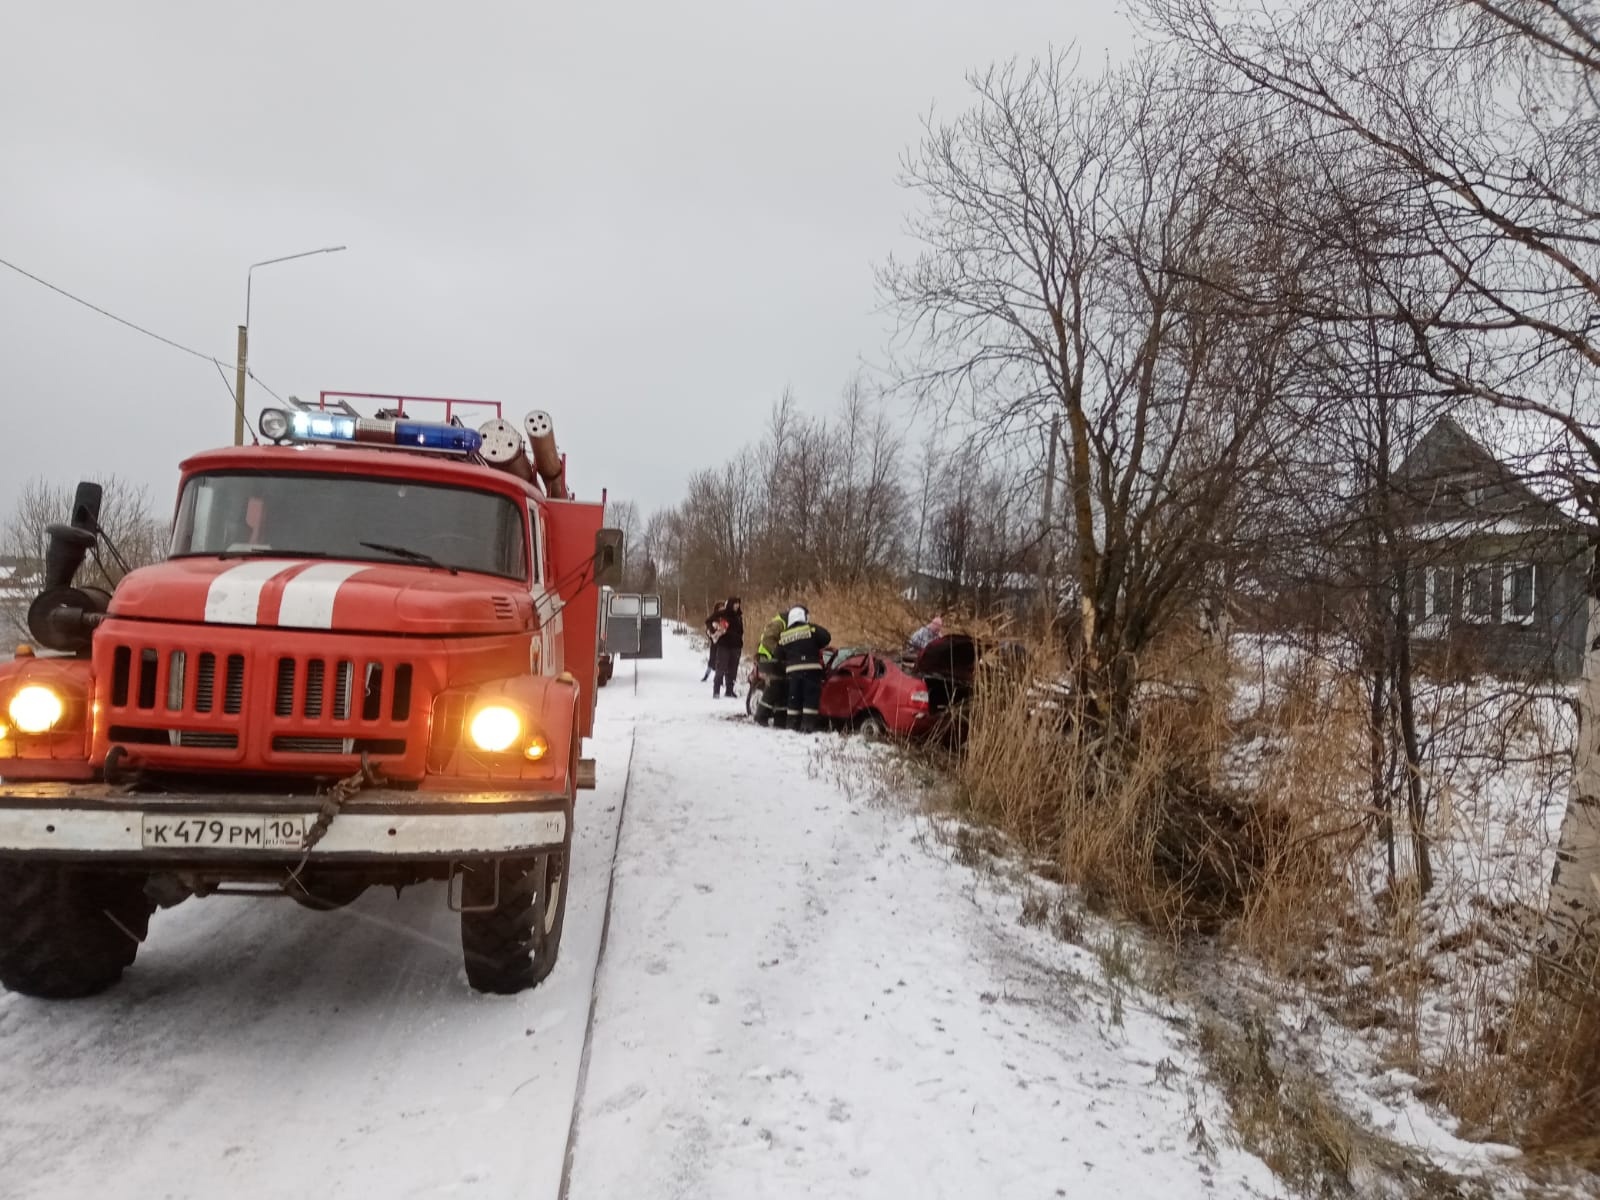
(600, 958)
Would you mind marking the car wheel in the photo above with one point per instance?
(872, 728)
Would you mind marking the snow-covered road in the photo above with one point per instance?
(801, 994)
(257, 1049)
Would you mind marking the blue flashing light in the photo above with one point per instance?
(432, 436)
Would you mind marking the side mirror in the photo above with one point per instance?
(608, 558)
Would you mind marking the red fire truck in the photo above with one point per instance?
(368, 659)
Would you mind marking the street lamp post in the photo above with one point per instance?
(244, 336)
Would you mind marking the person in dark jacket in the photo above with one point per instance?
(800, 649)
(729, 649)
(714, 627)
(773, 703)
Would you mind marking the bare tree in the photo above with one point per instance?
(1063, 222)
(1476, 121)
(125, 515)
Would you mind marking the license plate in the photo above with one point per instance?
(225, 831)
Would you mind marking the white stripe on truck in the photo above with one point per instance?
(234, 597)
(308, 597)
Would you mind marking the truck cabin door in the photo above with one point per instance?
(650, 627)
(623, 623)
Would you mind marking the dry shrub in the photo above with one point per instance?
(1532, 1074)
(873, 615)
(1144, 824)
(1307, 768)
(1563, 1053)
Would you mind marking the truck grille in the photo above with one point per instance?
(142, 680)
(379, 691)
(188, 739)
(241, 697)
(338, 745)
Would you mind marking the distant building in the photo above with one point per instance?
(1500, 582)
(1015, 593)
(19, 584)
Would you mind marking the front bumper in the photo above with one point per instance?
(109, 824)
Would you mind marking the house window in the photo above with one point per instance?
(1518, 594)
(1440, 582)
(1478, 599)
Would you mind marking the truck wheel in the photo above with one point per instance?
(513, 946)
(68, 933)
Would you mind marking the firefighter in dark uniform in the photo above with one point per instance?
(772, 705)
(800, 650)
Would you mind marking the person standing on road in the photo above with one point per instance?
(800, 649)
(728, 649)
(773, 703)
(714, 629)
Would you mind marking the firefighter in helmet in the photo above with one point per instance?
(800, 649)
(772, 705)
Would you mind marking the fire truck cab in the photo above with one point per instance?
(369, 658)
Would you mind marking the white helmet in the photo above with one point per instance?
(797, 615)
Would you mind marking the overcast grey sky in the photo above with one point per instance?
(645, 217)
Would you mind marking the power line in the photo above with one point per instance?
(210, 358)
(248, 371)
(104, 313)
(234, 396)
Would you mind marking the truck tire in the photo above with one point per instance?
(513, 946)
(66, 933)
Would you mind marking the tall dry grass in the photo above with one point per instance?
(871, 615)
(1152, 825)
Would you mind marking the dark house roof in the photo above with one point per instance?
(1453, 488)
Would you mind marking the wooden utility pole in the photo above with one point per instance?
(238, 387)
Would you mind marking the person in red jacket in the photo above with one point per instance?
(728, 648)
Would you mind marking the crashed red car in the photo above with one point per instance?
(879, 695)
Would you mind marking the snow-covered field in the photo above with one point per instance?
(800, 994)
(1426, 989)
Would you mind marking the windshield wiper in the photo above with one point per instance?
(410, 555)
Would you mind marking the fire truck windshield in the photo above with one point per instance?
(353, 517)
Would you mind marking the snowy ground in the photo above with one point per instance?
(800, 994)
(1426, 991)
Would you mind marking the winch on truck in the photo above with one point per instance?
(369, 658)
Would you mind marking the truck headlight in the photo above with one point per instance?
(35, 709)
(495, 728)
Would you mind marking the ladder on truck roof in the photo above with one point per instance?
(456, 411)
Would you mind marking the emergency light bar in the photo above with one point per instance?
(344, 430)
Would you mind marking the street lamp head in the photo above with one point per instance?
(267, 262)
